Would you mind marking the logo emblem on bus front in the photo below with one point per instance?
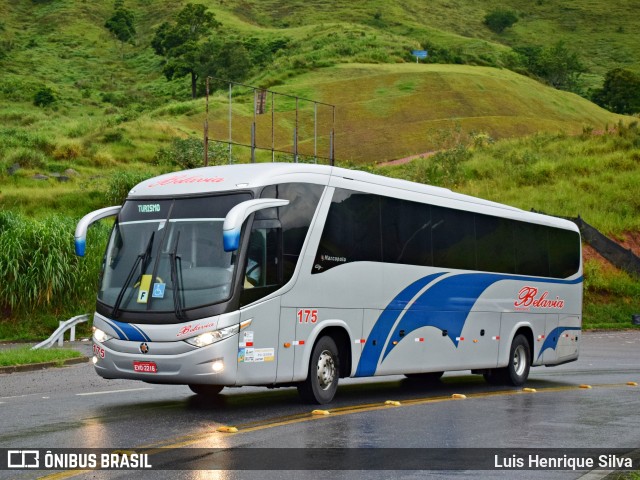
(144, 348)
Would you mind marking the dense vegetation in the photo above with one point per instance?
(95, 97)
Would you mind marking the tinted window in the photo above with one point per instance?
(295, 218)
(351, 232)
(364, 227)
(406, 236)
(531, 249)
(495, 248)
(564, 253)
(453, 238)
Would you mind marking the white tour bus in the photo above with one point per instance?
(293, 274)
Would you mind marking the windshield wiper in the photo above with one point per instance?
(142, 258)
(176, 280)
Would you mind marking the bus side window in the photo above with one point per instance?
(263, 269)
(256, 259)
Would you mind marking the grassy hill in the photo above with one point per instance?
(502, 135)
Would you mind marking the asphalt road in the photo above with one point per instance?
(72, 407)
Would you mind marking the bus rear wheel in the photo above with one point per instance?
(517, 371)
(324, 370)
(206, 390)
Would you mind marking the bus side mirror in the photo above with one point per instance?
(238, 214)
(81, 229)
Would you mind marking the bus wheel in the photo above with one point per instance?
(429, 377)
(324, 369)
(517, 372)
(206, 390)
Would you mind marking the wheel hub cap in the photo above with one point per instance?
(326, 370)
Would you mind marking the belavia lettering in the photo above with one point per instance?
(193, 328)
(181, 179)
(528, 297)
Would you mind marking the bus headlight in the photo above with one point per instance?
(100, 336)
(208, 338)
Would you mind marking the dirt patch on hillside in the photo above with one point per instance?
(402, 161)
(630, 241)
(590, 253)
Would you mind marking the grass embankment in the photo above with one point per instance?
(25, 356)
(383, 112)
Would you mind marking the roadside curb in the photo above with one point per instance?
(32, 367)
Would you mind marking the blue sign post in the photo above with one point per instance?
(419, 54)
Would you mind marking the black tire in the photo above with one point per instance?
(324, 370)
(428, 377)
(495, 376)
(206, 390)
(517, 371)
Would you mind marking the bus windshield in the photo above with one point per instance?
(167, 255)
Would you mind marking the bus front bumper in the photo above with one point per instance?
(168, 362)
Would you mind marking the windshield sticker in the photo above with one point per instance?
(185, 178)
(143, 293)
(158, 290)
(149, 208)
(256, 355)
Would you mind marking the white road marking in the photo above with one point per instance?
(113, 391)
(19, 396)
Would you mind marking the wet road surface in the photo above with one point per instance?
(73, 408)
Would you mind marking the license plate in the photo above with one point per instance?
(145, 367)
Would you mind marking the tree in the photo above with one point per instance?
(180, 42)
(557, 64)
(122, 23)
(499, 20)
(225, 59)
(620, 92)
(560, 66)
(44, 97)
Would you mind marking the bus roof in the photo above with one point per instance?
(226, 178)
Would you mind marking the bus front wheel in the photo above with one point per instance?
(517, 371)
(206, 390)
(324, 370)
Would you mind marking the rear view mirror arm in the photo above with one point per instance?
(80, 236)
(238, 214)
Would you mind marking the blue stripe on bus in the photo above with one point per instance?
(384, 324)
(127, 331)
(445, 306)
(118, 331)
(552, 339)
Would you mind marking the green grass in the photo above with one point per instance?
(24, 356)
(611, 297)
(41, 274)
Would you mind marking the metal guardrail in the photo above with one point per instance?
(58, 335)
